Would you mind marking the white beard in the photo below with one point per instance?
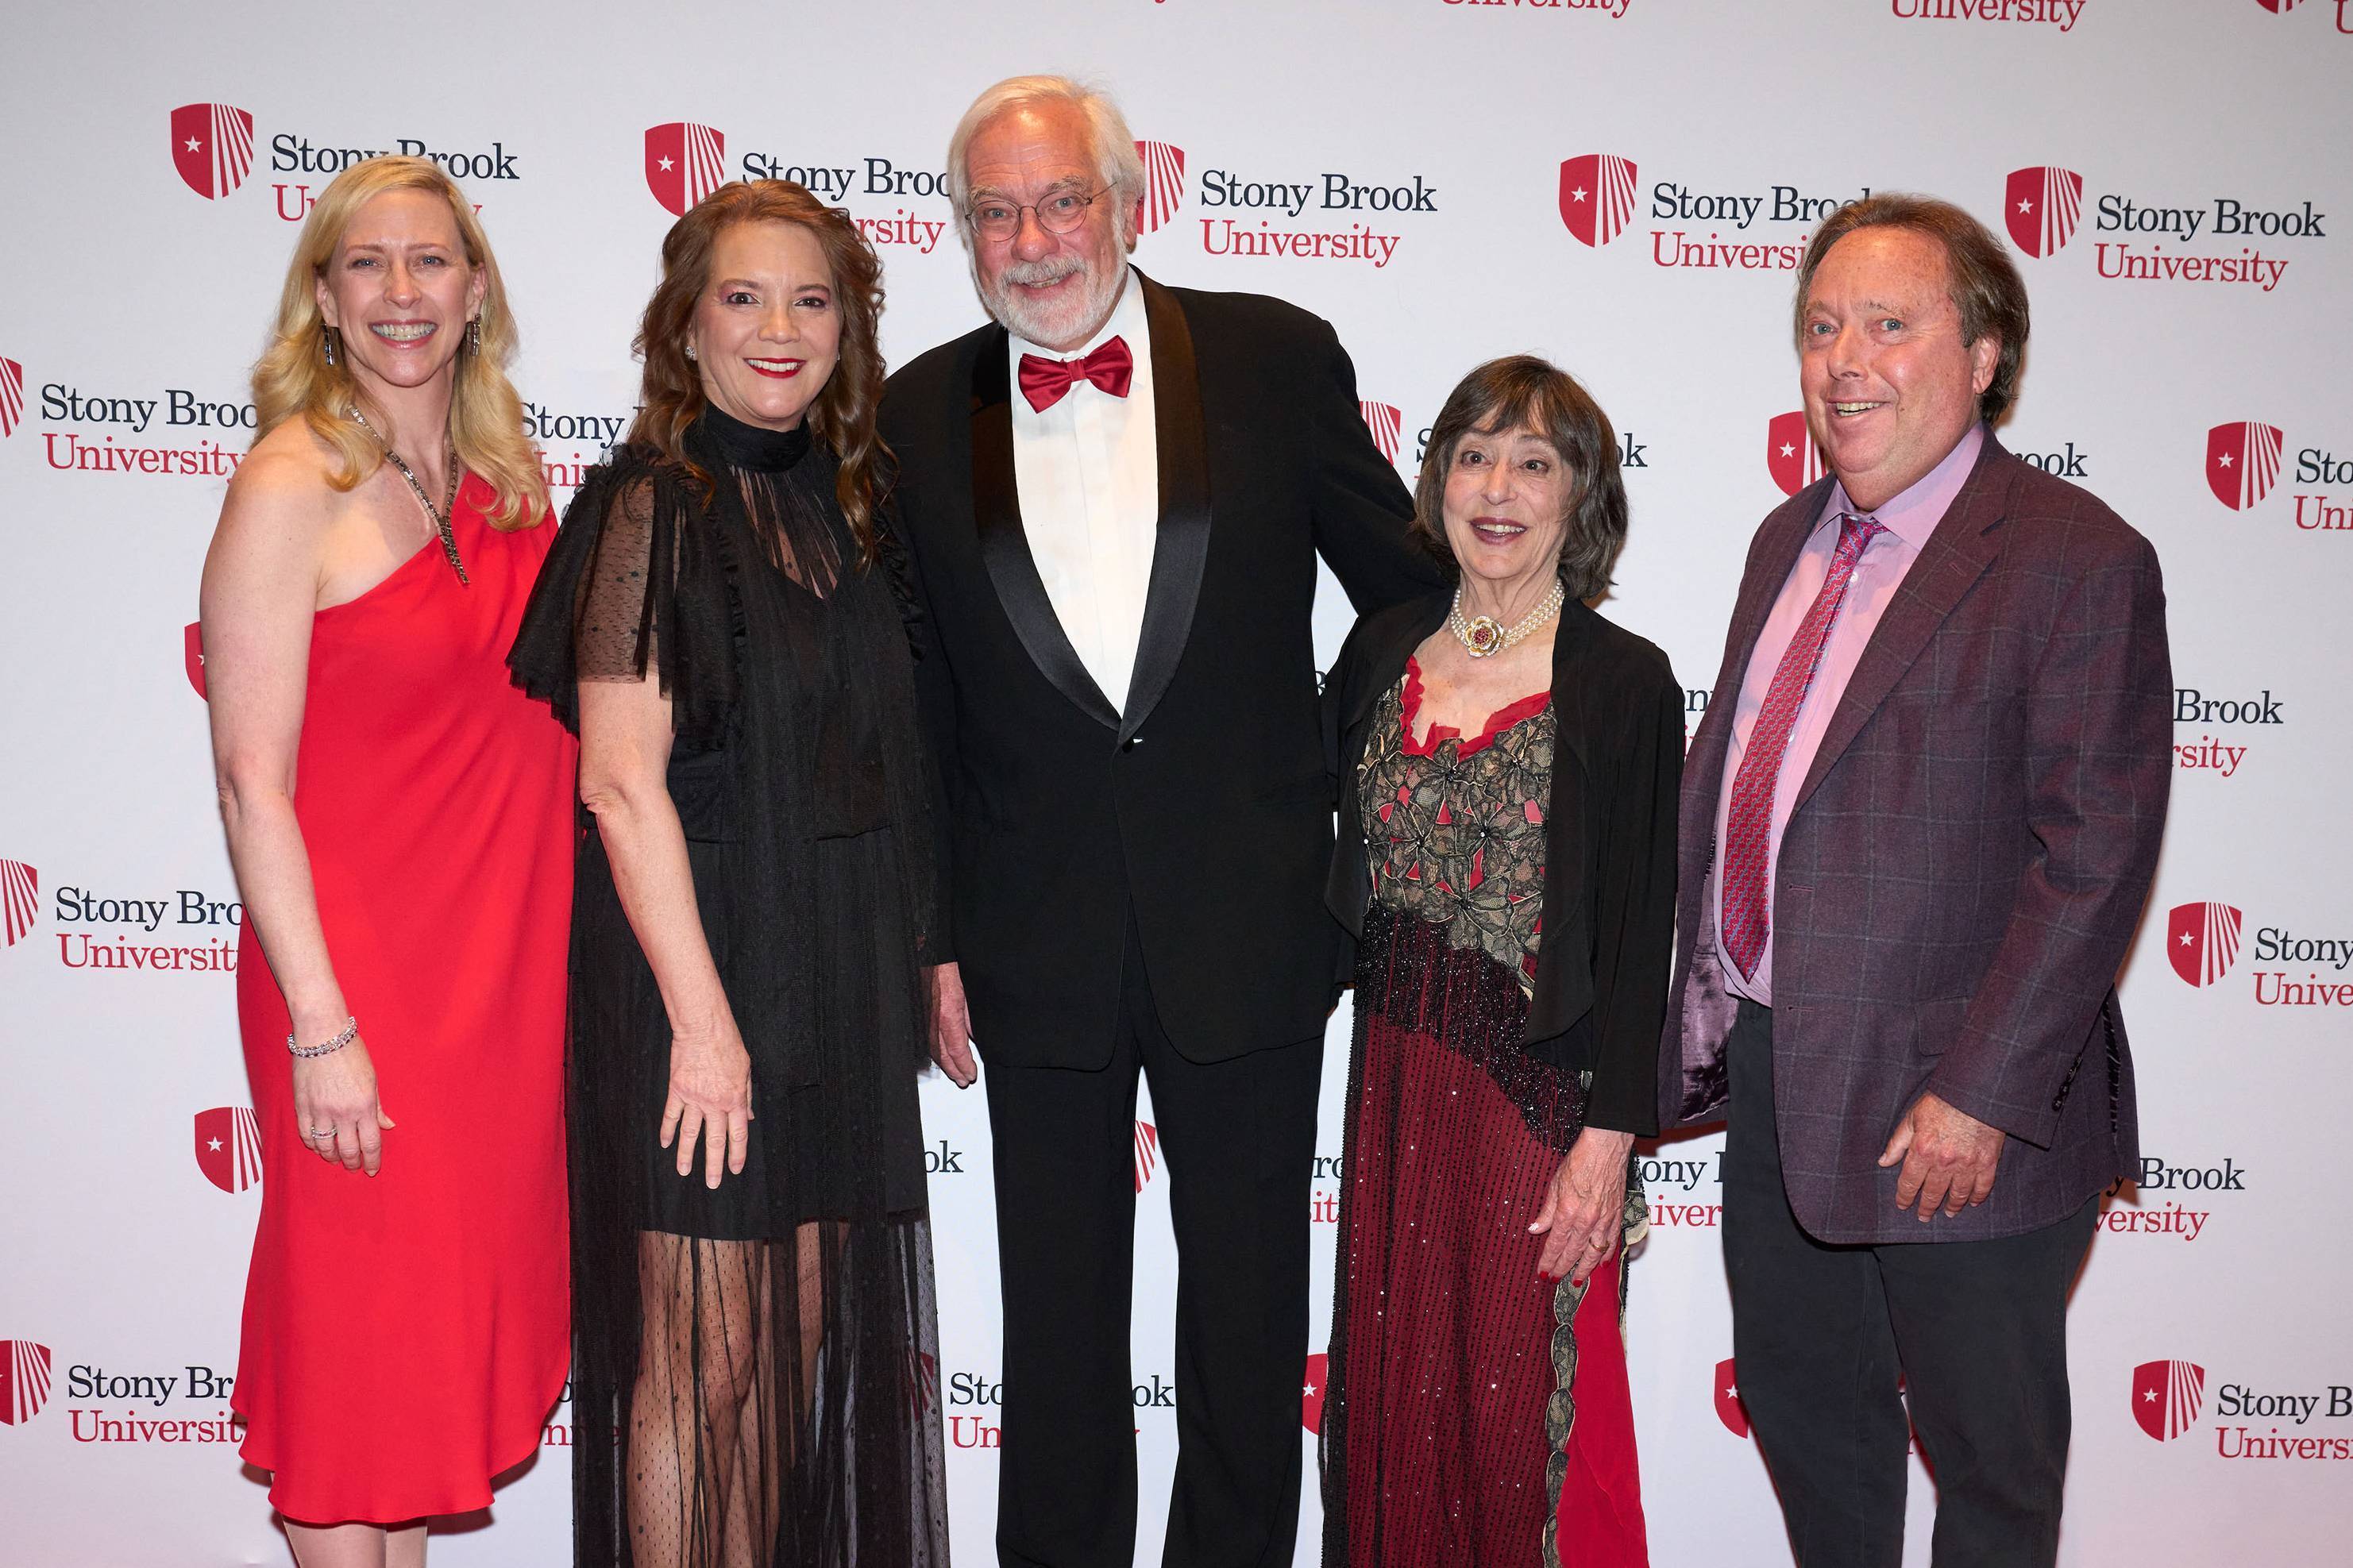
(1067, 319)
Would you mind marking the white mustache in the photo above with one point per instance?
(1052, 269)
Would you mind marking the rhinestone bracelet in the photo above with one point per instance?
(351, 1032)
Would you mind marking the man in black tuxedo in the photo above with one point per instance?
(1113, 495)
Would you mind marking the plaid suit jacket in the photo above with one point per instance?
(1964, 867)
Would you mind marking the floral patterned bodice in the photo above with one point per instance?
(1455, 826)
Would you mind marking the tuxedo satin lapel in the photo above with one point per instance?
(1181, 546)
(1954, 557)
(1005, 544)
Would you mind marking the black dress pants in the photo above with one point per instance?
(1824, 1337)
(1238, 1140)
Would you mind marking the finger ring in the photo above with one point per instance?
(322, 1133)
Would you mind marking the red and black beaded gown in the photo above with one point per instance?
(1481, 1411)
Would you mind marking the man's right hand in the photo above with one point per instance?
(952, 1025)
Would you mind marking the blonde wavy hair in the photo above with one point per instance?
(293, 380)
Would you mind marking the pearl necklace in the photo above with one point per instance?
(1484, 635)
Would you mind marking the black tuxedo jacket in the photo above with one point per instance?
(1610, 840)
(1203, 812)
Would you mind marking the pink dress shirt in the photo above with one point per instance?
(1909, 520)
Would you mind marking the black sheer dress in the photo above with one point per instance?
(755, 1373)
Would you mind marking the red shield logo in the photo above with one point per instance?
(1728, 1408)
(2241, 462)
(1147, 1151)
(922, 1382)
(2041, 207)
(228, 1147)
(1387, 423)
(12, 395)
(23, 1379)
(1164, 184)
(2166, 1395)
(1311, 1392)
(684, 164)
(1790, 454)
(193, 650)
(1596, 197)
(20, 901)
(2202, 941)
(212, 146)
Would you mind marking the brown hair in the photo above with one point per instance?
(1524, 390)
(842, 417)
(1982, 280)
(293, 380)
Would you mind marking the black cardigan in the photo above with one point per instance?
(1601, 969)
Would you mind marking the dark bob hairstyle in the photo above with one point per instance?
(1522, 390)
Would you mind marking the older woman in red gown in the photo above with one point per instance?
(400, 822)
(1506, 857)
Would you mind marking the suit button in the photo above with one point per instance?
(1131, 743)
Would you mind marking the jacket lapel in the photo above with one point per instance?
(1181, 546)
(1964, 544)
(1005, 544)
(1781, 538)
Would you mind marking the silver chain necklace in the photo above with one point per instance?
(448, 500)
(1484, 635)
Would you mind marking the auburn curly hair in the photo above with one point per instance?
(842, 417)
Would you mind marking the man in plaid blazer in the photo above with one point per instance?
(1919, 822)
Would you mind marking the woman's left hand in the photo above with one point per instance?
(1584, 1212)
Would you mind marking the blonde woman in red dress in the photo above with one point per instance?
(399, 817)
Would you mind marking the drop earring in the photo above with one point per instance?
(327, 337)
(690, 352)
(474, 336)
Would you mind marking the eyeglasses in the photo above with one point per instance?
(1060, 213)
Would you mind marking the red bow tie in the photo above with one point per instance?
(1044, 381)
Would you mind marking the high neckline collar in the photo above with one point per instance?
(752, 447)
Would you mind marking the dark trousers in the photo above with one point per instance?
(1823, 1338)
(1238, 1141)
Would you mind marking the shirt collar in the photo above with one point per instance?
(1912, 516)
(1127, 320)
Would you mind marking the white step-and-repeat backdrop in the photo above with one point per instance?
(1624, 185)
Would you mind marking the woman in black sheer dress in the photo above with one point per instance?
(756, 1348)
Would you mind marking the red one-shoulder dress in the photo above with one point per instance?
(405, 1335)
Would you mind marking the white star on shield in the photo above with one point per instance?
(2024, 206)
(2224, 459)
(214, 1146)
(1578, 195)
(1788, 450)
(194, 143)
(2189, 940)
(665, 163)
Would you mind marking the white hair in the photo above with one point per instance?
(1114, 145)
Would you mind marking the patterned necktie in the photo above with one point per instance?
(1044, 381)
(1748, 822)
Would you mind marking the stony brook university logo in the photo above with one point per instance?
(192, 654)
(1728, 1408)
(12, 395)
(2166, 1395)
(20, 901)
(212, 146)
(2041, 207)
(1790, 454)
(23, 1380)
(1596, 197)
(684, 164)
(1387, 422)
(1147, 1151)
(1311, 1391)
(2202, 940)
(1164, 184)
(2242, 461)
(228, 1147)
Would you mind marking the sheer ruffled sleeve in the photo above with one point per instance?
(639, 582)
